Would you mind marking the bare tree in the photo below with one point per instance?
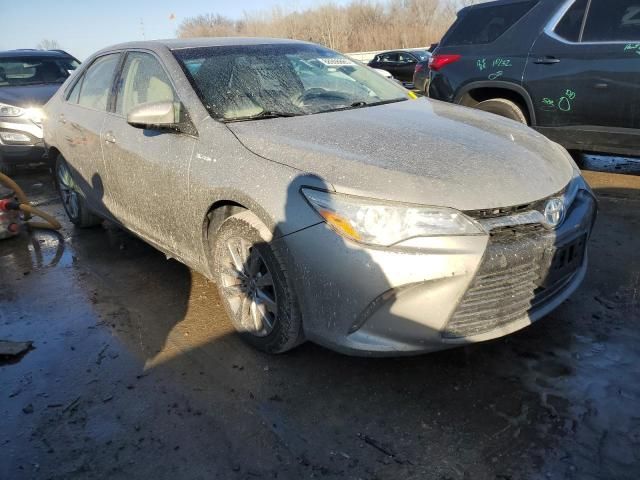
(207, 25)
(358, 26)
(47, 44)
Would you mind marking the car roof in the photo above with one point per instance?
(29, 52)
(402, 50)
(179, 43)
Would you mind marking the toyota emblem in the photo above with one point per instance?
(554, 212)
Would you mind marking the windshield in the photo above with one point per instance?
(32, 70)
(260, 81)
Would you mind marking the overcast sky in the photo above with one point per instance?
(83, 26)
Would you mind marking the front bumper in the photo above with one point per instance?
(438, 292)
(31, 151)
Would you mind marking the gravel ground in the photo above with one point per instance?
(136, 373)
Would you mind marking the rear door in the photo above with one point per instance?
(81, 121)
(584, 69)
(147, 169)
(406, 66)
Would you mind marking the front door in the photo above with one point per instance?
(147, 170)
(387, 62)
(406, 67)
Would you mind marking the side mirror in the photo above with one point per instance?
(155, 115)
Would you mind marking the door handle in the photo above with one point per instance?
(109, 138)
(61, 119)
(601, 86)
(547, 60)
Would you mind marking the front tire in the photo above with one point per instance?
(73, 201)
(254, 285)
(504, 108)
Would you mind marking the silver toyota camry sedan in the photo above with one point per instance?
(325, 201)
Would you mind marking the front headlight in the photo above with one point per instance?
(383, 223)
(10, 110)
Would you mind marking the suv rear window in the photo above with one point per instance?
(485, 24)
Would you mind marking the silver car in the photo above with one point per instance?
(326, 202)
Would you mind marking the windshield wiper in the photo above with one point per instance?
(362, 104)
(262, 115)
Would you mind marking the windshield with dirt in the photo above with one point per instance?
(20, 71)
(263, 81)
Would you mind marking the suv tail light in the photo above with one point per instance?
(436, 62)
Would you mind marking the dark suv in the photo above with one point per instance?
(570, 69)
(28, 79)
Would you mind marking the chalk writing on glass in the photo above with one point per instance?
(482, 64)
(493, 76)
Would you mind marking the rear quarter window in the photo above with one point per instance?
(612, 21)
(485, 24)
(570, 25)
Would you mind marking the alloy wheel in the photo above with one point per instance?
(249, 288)
(69, 195)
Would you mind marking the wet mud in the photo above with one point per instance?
(135, 372)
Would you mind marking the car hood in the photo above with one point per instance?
(421, 151)
(28, 95)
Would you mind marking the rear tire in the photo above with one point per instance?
(254, 285)
(72, 198)
(504, 108)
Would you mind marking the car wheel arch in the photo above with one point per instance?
(226, 204)
(476, 92)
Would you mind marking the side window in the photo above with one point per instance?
(405, 58)
(570, 25)
(143, 81)
(97, 82)
(74, 94)
(389, 57)
(612, 21)
(485, 24)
